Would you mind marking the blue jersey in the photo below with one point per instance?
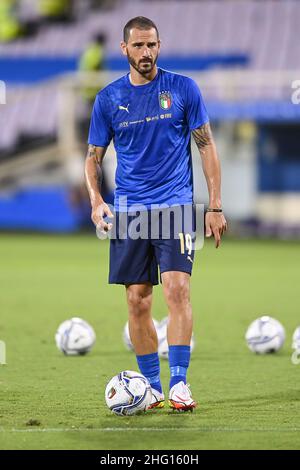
(151, 127)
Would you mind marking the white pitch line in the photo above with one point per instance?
(137, 429)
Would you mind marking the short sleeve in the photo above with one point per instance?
(100, 133)
(195, 108)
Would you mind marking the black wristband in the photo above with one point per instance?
(214, 210)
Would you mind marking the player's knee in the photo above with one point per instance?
(177, 292)
(138, 304)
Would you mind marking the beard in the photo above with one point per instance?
(143, 66)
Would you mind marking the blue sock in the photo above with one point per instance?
(179, 359)
(149, 367)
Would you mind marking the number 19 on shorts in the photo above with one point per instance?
(186, 243)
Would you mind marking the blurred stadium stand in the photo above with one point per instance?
(243, 54)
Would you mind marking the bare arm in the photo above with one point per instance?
(93, 177)
(215, 222)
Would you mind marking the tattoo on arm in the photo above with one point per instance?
(96, 153)
(93, 170)
(203, 136)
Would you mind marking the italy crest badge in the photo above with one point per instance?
(165, 99)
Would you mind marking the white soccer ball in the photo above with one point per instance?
(265, 335)
(296, 339)
(75, 336)
(128, 393)
(126, 335)
(163, 347)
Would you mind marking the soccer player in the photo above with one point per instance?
(150, 114)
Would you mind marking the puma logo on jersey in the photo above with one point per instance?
(124, 108)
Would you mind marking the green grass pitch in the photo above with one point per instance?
(245, 401)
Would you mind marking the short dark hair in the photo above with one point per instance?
(139, 22)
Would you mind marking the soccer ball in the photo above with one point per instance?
(163, 347)
(128, 393)
(126, 335)
(265, 335)
(296, 339)
(75, 336)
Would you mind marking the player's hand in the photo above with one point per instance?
(216, 225)
(99, 211)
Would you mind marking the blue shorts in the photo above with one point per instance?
(148, 240)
